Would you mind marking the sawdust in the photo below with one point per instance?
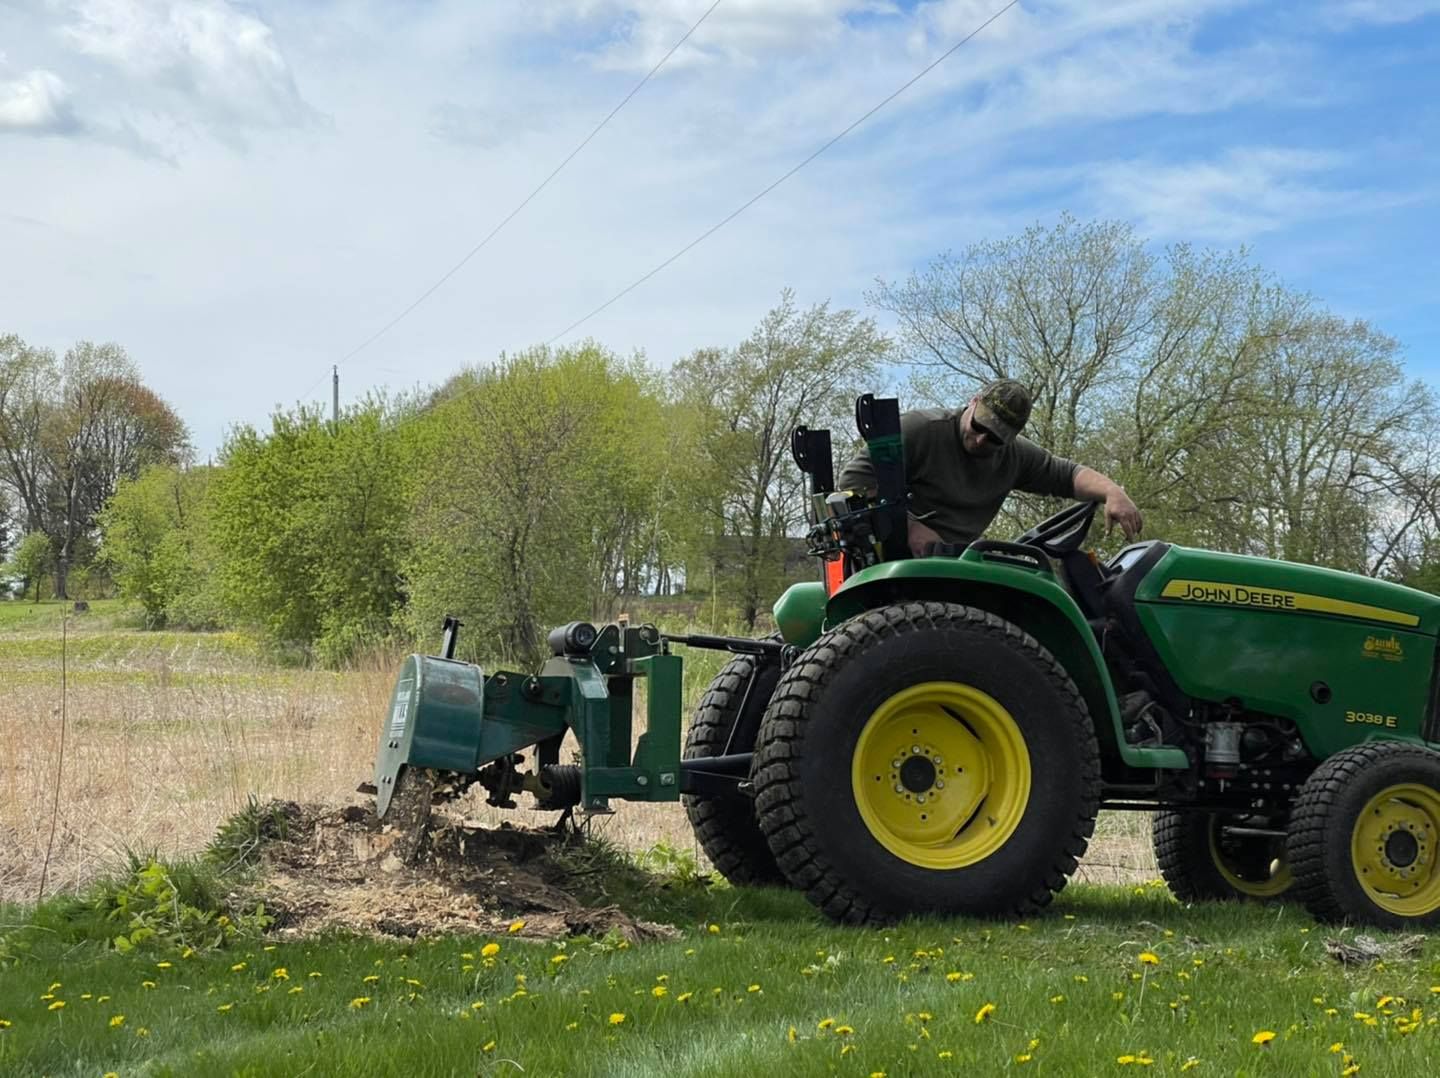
(342, 868)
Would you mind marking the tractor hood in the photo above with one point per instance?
(1189, 576)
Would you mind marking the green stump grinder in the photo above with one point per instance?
(936, 734)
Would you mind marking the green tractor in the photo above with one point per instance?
(937, 734)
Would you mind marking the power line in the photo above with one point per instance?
(515, 212)
(736, 213)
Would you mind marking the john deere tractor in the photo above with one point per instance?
(937, 734)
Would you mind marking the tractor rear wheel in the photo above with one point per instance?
(1203, 860)
(725, 824)
(927, 757)
(1364, 837)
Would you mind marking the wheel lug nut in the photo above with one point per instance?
(915, 750)
(921, 799)
(899, 789)
(939, 784)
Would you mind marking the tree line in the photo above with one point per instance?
(1240, 414)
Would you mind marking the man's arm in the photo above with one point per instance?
(1093, 486)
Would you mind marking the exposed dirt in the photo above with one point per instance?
(344, 868)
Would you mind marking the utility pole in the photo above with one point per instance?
(335, 394)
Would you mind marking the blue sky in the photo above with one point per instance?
(242, 193)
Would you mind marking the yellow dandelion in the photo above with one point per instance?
(5, 1023)
(142, 1032)
(844, 1031)
(54, 986)
(58, 1005)
(477, 1005)
(147, 984)
(163, 965)
(188, 952)
(753, 988)
(101, 999)
(1337, 1048)
(984, 1012)
(116, 1021)
(559, 959)
(714, 930)
(1353, 1068)
(792, 1034)
(1263, 1038)
(488, 1046)
(1190, 1064)
(945, 1054)
(224, 1007)
(684, 997)
(617, 1018)
(1125, 1060)
(467, 956)
(84, 995)
(296, 990)
(237, 967)
(280, 973)
(1057, 999)
(313, 975)
(847, 1049)
(1143, 1060)
(371, 979)
(659, 991)
(1024, 1057)
(1149, 958)
(1080, 978)
(110, 1074)
(572, 1025)
(490, 950)
(515, 926)
(1117, 996)
(359, 1001)
(824, 1023)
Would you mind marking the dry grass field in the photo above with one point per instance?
(166, 734)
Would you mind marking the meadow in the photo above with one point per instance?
(169, 734)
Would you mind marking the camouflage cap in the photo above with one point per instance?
(1003, 407)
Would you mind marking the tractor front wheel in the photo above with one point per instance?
(1220, 857)
(927, 758)
(1364, 837)
(725, 824)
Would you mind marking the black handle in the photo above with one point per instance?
(1005, 551)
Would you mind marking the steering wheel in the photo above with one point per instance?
(1063, 532)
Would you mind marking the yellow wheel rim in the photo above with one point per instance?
(1276, 882)
(1393, 849)
(941, 775)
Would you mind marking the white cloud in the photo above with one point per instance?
(1233, 197)
(1384, 12)
(214, 63)
(38, 103)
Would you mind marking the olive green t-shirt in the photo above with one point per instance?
(954, 492)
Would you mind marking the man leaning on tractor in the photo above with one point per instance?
(960, 463)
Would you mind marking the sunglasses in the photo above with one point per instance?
(982, 431)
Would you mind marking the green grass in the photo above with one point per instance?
(24, 616)
(1069, 991)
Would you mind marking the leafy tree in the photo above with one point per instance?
(31, 561)
(797, 367)
(307, 523)
(539, 496)
(156, 544)
(69, 432)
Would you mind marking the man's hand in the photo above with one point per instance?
(1119, 509)
(921, 536)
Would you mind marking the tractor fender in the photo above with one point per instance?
(1030, 598)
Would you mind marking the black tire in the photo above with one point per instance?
(1195, 857)
(806, 790)
(725, 825)
(1342, 795)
